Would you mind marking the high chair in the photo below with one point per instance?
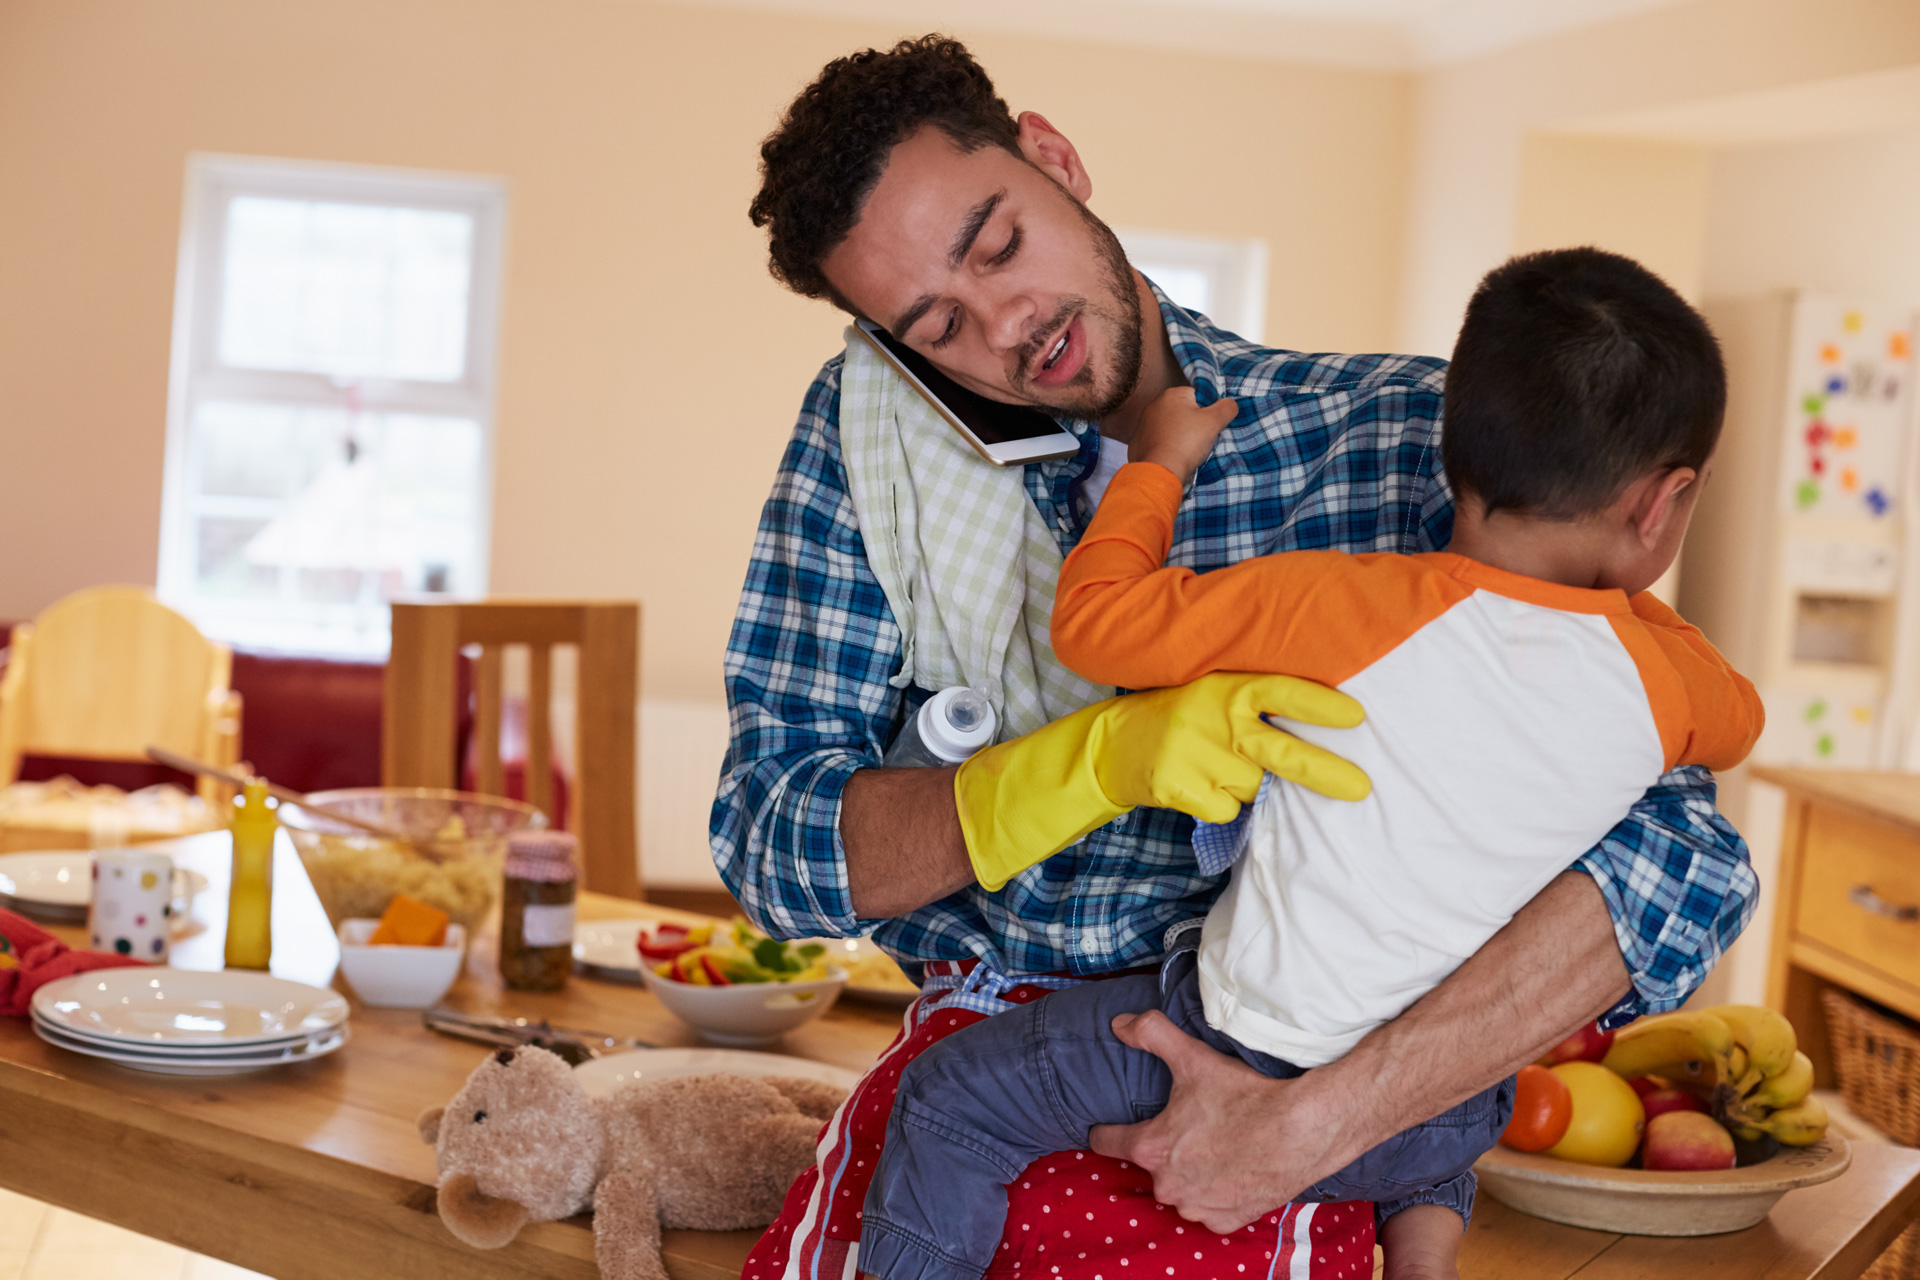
(108, 671)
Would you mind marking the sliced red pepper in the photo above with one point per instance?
(665, 942)
(713, 973)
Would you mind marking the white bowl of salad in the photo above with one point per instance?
(733, 984)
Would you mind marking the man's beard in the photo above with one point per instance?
(1120, 308)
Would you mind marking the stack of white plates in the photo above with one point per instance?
(185, 1023)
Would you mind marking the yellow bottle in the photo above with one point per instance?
(250, 901)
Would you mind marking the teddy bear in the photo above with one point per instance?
(522, 1142)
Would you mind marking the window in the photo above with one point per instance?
(1226, 280)
(330, 424)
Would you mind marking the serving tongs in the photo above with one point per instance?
(187, 764)
(570, 1044)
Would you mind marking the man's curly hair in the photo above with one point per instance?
(818, 168)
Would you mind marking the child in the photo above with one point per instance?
(1522, 692)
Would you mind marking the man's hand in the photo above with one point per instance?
(1232, 1144)
(1177, 433)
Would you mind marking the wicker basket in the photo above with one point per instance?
(1901, 1261)
(1876, 1055)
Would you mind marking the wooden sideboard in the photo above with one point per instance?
(1847, 897)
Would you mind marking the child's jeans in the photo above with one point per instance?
(977, 1108)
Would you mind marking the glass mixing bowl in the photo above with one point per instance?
(356, 874)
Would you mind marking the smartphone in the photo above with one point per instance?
(1004, 434)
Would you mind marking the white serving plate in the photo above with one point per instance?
(846, 951)
(1657, 1203)
(609, 949)
(135, 1048)
(145, 1005)
(603, 1075)
(202, 1064)
(57, 885)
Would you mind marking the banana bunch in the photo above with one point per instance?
(1746, 1060)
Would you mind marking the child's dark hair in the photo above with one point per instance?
(1577, 372)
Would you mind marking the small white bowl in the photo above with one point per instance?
(747, 1013)
(396, 977)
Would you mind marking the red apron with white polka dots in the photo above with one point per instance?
(1073, 1215)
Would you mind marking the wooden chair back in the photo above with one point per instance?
(419, 736)
(107, 671)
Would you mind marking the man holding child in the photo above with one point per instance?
(902, 189)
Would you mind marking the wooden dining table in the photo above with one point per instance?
(317, 1170)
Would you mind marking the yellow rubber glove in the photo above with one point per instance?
(1200, 748)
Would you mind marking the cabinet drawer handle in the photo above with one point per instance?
(1866, 899)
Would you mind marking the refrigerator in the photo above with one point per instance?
(1803, 562)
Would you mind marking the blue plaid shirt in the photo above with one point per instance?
(1326, 451)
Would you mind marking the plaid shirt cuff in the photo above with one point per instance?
(1678, 885)
(779, 850)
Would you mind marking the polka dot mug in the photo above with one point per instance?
(132, 903)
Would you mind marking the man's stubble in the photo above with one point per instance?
(1120, 309)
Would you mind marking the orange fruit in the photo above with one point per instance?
(1607, 1116)
(1542, 1108)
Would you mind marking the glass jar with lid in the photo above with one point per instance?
(536, 911)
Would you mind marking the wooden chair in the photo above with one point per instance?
(107, 671)
(418, 720)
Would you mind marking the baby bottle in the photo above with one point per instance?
(950, 726)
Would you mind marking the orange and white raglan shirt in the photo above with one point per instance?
(1510, 724)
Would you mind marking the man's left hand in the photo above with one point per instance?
(1231, 1144)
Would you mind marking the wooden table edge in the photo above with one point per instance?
(181, 1179)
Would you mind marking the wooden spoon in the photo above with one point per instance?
(186, 764)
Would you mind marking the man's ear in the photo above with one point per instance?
(1656, 501)
(1050, 152)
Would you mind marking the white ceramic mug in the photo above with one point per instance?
(132, 903)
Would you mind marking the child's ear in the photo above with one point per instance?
(1661, 498)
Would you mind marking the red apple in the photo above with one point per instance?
(1588, 1044)
(1686, 1140)
(1644, 1085)
(1661, 1101)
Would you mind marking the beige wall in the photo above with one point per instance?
(1474, 118)
(1647, 200)
(649, 368)
(1839, 215)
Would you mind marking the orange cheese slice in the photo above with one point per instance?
(408, 922)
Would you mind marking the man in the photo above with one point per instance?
(901, 188)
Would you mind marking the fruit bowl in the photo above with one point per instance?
(1643, 1203)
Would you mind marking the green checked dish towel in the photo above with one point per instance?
(967, 564)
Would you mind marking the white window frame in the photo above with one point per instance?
(1236, 268)
(197, 375)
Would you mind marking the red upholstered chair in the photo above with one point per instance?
(313, 724)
